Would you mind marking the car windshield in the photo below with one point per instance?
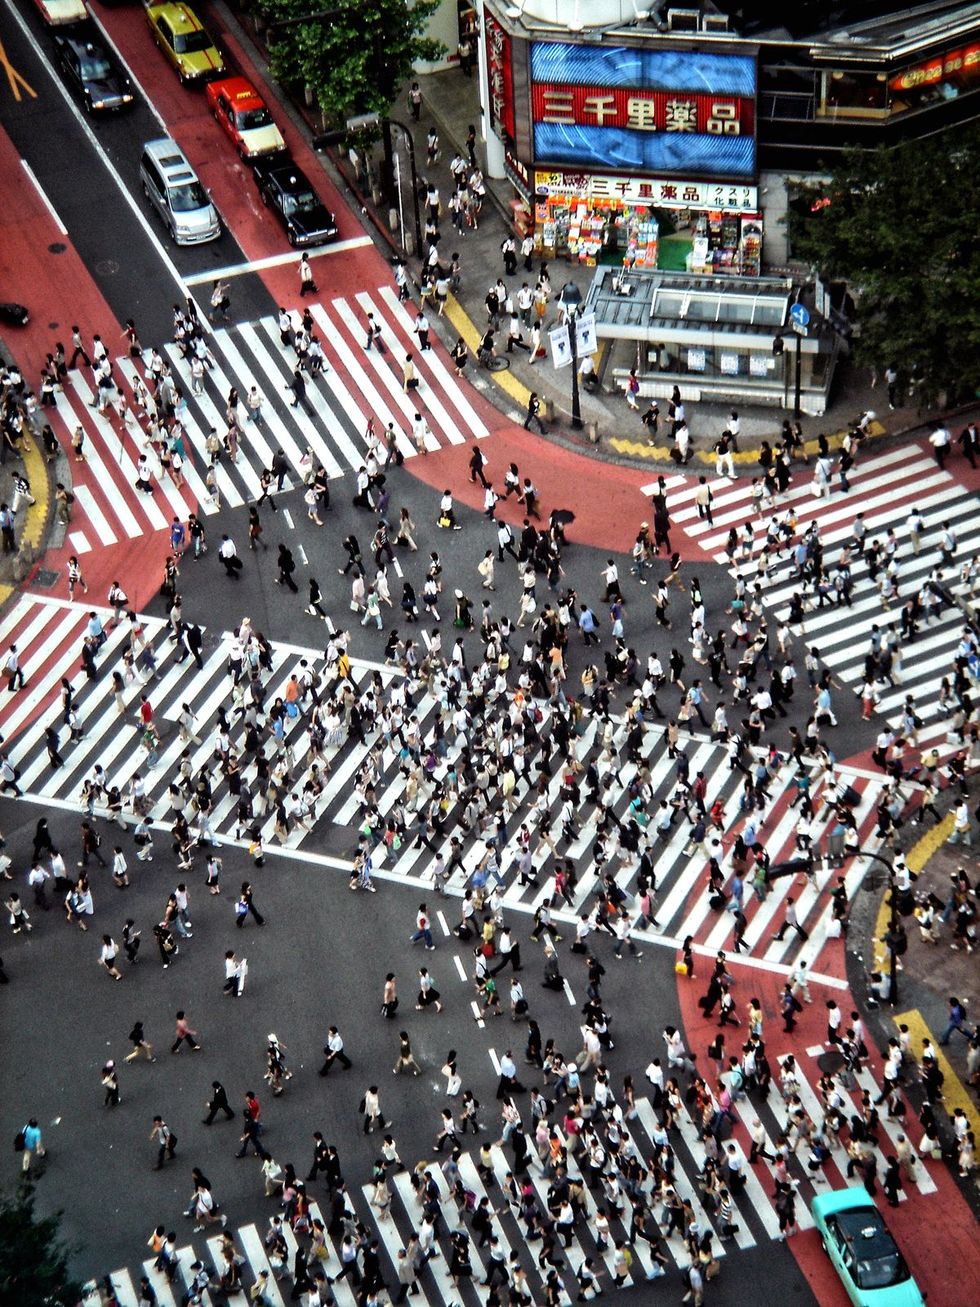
(249, 119)
(301, 202)
(188, 42)
(94, 67)
(880, 1272)
(187, 196)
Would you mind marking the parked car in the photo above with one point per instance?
(865, 1256)
(92, 70)
(242, 112)
(172, 187)
(286, 189)
(185, 42)
(14, 315)
(56, 13)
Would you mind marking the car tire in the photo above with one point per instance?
(292, 239)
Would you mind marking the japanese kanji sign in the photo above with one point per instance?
(637, 109)
(500, 82)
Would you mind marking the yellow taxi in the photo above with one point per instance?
(242, 112)
(185, 42)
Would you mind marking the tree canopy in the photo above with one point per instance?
(33, 1260)
(357, 58)
(900, 227)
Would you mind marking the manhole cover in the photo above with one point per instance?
(107, 267)
(46, 578)
(57, 247)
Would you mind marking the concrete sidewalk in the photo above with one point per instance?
(930, 973)
(451, 104)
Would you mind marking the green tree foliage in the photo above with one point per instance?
(357, 59)
(33, 1260)
(900, 227)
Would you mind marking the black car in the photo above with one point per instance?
(285, 188)
(92, 70)
(14, 315)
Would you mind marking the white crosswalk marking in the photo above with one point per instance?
(755, 1213)
(884, 487)
(351, 389)
(48, 633)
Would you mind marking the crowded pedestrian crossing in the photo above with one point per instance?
(885, 488)
(48, 632)
(394, 1221)
(328, 425)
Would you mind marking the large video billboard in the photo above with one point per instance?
(669, 112)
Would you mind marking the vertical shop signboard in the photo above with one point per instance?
(500, 78)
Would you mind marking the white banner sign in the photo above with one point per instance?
(585, 337)
(659, 192)
(561, 346)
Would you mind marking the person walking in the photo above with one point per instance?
(183, 1034)
(165, 1140)
(334, 1052)
(406, 1060)
(307, 284)
(140, 1044)
(218, 1102)
(287, 566)
(534, 413)
(370, 1109)
(791, 922)
(32, 1145)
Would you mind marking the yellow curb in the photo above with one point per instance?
(507, 382)
(661, 453)
(916, 858)
(36, 518)
(954, 1092)
(505, 379)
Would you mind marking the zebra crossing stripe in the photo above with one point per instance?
(115, 447)
(432, 393)
(349, 348)
(103, 477)
(327, 414)
(449, 383)
(94, 513)
(753, 1203)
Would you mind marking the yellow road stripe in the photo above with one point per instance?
(955, 1093)
(465, 327)
(661, 453)
(916, 858)
(36, 518)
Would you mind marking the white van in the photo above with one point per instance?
(172, 187)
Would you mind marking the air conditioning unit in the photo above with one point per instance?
(683, 20)
(714, 22)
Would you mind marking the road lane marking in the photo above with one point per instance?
(276, 261)
(44, 199)
(459, 967)
(441, 916)
(14, 77)
(93, 140)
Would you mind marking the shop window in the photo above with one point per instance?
(854, 95)
(787, 94)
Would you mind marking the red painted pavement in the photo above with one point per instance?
(36, 277)
(936, 1232)
(605, 498)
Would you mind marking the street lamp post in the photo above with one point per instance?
(386, 125)
(779, 347)
(571, 297)
(796, 865)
